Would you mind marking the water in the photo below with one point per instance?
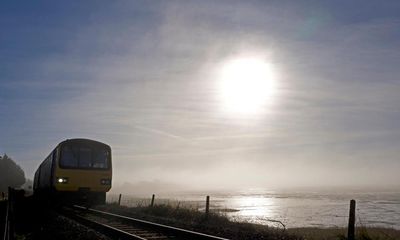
(290, 209)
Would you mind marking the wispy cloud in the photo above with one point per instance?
(145, 82)
(159, 132)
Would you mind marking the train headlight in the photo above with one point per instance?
(62, 180)
(105, 181)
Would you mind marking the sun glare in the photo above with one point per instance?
(246, 85)
(254, 207)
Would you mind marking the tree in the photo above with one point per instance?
(11, 175)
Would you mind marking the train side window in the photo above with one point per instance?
(37, 177)
(53, 158)
(52, 165)
(69, 157)
(85, 157)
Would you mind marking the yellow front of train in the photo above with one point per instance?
(83, 170)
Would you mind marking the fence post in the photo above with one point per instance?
(207, 205)
(152, 200)
(119, 199)
(352, 218)
(9, 233)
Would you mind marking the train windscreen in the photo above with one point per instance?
(84, 157)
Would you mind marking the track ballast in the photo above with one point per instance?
(123, 227)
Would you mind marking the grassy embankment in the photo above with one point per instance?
(220, 225)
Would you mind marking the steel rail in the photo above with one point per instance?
(171, 232)
(104, 228)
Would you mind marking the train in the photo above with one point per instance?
(77, 171)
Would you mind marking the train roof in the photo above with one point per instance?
(83, 140)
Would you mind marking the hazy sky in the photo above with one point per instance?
(145, 77)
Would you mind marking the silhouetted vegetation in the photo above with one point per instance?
(36, 221)
(28, 185)
(11, 175)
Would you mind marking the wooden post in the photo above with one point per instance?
(119, 199)
(352, 220)
(207, 205)
(9, 233)
(152, 200)
(11, 201)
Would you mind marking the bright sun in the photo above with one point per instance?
(246, 85)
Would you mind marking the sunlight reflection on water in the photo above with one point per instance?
(253, 206)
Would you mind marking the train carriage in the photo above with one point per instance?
(76, 171)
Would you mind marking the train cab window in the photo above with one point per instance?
(85, 157)
(69, 157)
(100, 159)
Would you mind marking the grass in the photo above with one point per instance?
(218, 224)
(215, 224)
(362, 233)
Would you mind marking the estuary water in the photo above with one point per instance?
(291, 209)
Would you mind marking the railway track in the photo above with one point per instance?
(123, 227)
